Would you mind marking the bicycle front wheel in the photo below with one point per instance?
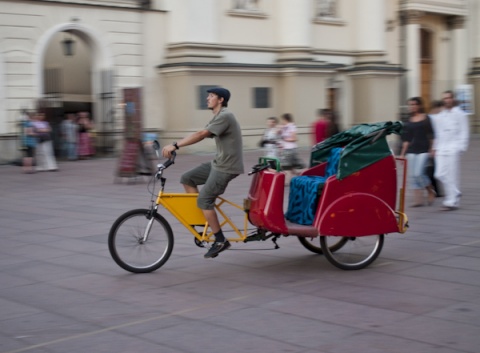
(139, 244)
(355, 254)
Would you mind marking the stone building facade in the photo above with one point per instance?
(362, 58)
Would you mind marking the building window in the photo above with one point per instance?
(261, 97)
(327, 13)
(246, 8)
(248, 5)
(202, 96)
(326, 8)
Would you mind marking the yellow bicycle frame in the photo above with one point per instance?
(184, 208)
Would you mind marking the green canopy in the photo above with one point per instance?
(363, 145)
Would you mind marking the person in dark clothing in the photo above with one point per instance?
(435, 108)
(417, 140)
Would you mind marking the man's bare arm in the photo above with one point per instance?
(186, 141)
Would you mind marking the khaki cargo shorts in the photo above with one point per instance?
(214, 183)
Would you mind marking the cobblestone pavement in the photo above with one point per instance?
(60, 291)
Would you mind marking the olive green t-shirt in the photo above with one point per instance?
(228, 139)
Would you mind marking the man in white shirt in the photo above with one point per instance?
(451, 129)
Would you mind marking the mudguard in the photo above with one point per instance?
(357, 214)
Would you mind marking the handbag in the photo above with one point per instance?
(44, 137)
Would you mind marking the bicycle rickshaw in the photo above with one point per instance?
(341, 206)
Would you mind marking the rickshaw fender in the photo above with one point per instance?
(357, 214)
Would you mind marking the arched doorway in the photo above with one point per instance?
(426, 66)
(67, 86)
(74, 73)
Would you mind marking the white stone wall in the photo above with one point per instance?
(120, 37)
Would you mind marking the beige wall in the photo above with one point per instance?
(298, 93)
(249, 48)
(373, 97)
(118, 37)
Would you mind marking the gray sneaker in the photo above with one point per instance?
(217, 248)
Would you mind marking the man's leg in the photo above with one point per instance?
(194, 177)
(212, 219)
(72, 153)
(190, 189)
(221, 243)
(444, 171)
(455, 178)
(214, 186)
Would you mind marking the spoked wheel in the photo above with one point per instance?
(356, 253)
(313, 244)
(138, 244)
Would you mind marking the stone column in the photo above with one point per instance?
(193, 21)
(474, 74)
(294, 30)
(459, 49)
(370, 32)
(412, 19)
(192, 32)
(374, 82)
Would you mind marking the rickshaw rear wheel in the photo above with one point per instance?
(356, 253)
(311, 244)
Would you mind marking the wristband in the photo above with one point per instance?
(176, 146)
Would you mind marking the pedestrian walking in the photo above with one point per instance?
(435, 108)
(44, 157)
(85, 143)
(69, 132)
(270, 139)
(320, 126)
(417, 141)
(451, 128)
(29, 143)
(325, 126)
(290, 161)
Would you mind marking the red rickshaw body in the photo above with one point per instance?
(356, 187)
(360, 204)
(266, 201)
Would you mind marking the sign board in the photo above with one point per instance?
(128, 163)
(464, 97)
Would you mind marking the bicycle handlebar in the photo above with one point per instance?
(162, 166)
(259, 167)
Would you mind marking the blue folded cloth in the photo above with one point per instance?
(305, 192)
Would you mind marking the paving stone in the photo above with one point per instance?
(60, 291)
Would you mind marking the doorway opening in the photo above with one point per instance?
(332, 99)
(76, 76)
(67, 82)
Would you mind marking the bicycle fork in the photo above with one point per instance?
(151, 213)
(151, 218)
